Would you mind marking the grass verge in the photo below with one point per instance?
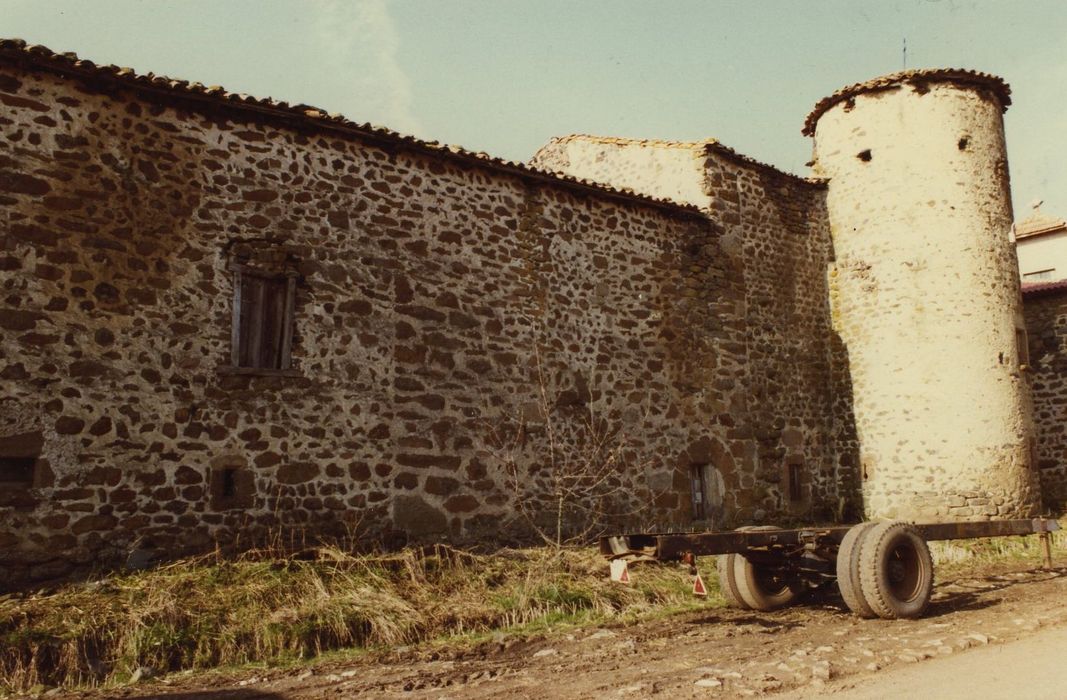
(208, 612)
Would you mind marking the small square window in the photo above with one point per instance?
(232, 488)
(17, 471)
(19, 460)
(262, 334)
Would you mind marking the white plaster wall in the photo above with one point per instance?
(667, 170)
(1042, 253)
(924, 292)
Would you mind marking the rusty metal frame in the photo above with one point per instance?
(676, 546)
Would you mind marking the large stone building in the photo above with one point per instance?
(226, 319)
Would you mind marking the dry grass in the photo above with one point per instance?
(962, 556)
(207, 612)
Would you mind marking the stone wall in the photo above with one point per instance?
(460, 331)
(796, 391)
(1046, 324)
(794, 411)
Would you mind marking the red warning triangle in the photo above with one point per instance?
(698, 587)
(620, 572)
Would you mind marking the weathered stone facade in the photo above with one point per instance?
(436, 293)
(1046, 324)
(796, 391)
(227, 319)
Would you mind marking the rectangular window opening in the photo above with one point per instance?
(17, 471)
(232, 488)
(228, 489)
(1039, 275)
(1021, 347)
(697, 483)
(262, 319)
(793, 478)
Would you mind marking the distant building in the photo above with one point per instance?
(1041, 244)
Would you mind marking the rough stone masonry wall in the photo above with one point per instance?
(431, 291)
(1046, 324)
(794, 408)
(796, 394)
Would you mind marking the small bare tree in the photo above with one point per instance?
(570, 472)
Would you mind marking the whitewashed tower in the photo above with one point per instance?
(925, 293)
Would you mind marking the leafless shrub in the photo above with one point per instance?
(571, 470)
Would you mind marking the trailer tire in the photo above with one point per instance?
(726, 565)
(757, 586)
(896, 570)
(848, 570)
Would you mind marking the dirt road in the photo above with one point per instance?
(1031, 667)
(803, 651)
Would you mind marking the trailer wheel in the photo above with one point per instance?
(760, 587)
(896, 570)
(848, 570)
(726, 566)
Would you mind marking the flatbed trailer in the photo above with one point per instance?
(883, 568)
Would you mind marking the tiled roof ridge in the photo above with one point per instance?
(69, 64)
(1037, 224)
(702, 146)
(1031, 289)
(920, 75)
(627, 141)
(729, 152)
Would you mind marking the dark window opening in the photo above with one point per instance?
(228, 490)
(1021, 347)
(962, 143)
(232, 488)
(20, 463)
(865, 156)
(17, 471)
(793, 481)
(262, 319)
(700, 493)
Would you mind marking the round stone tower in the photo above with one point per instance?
(925, 294)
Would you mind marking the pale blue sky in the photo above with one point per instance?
(505, 75)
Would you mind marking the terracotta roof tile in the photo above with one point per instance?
(69, 65)
(1037, 224)
(1034, 289)
(912, 77)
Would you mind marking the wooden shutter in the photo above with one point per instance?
(264, 321)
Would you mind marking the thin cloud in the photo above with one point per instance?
(360, 45)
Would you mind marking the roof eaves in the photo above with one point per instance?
(910, 77)
(1036, 289)
(717, 147)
